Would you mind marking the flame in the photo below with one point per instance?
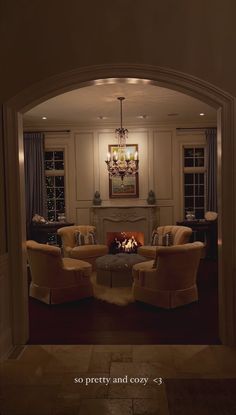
(126, 242)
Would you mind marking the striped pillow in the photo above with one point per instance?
(156, 239)
(168, 239)
(85, 239)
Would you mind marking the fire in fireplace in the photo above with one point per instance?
(124, 242)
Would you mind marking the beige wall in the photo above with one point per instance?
(41, 38)
(160, 154)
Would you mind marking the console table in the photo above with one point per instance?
(47, 232)
(205, 230)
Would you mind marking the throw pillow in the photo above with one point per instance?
(156, 239)
(154, 265)
(85, 239)
(168, 239)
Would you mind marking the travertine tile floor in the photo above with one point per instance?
(41, 379)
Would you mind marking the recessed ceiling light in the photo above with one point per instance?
(202, 114)
(143, 117)
(44, 118)
(101, 117)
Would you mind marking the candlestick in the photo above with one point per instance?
(115, 157)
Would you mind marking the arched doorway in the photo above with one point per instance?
(15, 176)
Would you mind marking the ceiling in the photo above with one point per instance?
(97, 104)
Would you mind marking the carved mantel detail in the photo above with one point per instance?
(124, 218)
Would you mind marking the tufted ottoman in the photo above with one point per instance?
(116, 270)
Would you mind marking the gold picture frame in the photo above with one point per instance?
(130, 188)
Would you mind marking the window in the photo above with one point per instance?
(55, 186)
(194, 181)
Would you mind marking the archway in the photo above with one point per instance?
(15, 177)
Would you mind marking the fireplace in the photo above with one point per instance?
(128, 218)
(124, 242)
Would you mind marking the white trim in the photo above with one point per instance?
(60, 144)
(194, 169)
(168, 78)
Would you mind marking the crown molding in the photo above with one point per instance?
(113, 126)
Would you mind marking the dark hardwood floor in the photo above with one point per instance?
(92, 321)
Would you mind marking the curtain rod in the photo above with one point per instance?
(47, 131)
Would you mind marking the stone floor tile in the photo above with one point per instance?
(56, 358)
(36, 353)
(195, 360)
(100, 362)
(113, 348)
(125, 381)
(201, 396)
(106, 407)
(150, 407)
(65, 410)
(226, 360)
(77, 348)
(93, 390)
(67, 401)
(151, 370)
(122, 356)
(160, 354)
(135, 391)
(28, 400)
(18, 372)
(68, 358)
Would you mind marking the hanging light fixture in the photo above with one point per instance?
(122, 163)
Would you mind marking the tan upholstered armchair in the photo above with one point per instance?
(87, 253)
(173, 280)
(181, 235)
(56, 279)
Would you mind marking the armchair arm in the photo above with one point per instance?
(66, 250)
(146, 278)
(72, 274)
(70, 264)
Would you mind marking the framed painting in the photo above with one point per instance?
(130, 186)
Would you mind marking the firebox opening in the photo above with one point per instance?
(124, 242)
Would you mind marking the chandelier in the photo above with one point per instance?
(121, 163)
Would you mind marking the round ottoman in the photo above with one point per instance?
(116, 270)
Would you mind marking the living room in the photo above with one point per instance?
(169, 130)
(48, 48)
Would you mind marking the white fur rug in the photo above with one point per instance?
(120, 296)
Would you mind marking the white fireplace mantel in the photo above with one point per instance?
(124, 218)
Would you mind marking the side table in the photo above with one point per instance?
(206, 230)
(47, 232)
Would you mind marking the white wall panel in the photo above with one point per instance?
(104, 139)
(135, 137)
(166, 215)
(84, 166)
(159, 168)
(141, 138)
(82, 216)
(162, 164)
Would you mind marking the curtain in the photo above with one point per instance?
(34, 177)
(211, 185)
